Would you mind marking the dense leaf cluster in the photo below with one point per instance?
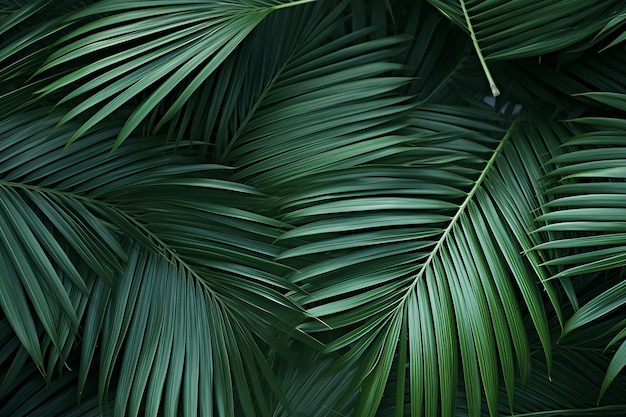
(312, 208)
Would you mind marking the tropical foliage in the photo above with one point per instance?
(312, 208)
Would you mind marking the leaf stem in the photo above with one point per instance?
(266, 90)
(151, 240)
(494, 90)
(461, 209)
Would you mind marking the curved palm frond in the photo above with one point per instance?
(41, 232)
(66, 215)
(326, 176)
(386, 248)
(149, 48)
(358, 233)
(586, 216)
(523, 28)
(263, 94)
(576, 374)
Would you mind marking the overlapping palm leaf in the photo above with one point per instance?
(522, 28)
(506, 30)
(226, 186)
(358, 238)
(27, 29)
(576, 374)
(392, 240)
(69, 221)
(152, 48)
(584, 237)
(360, 233)
(586, 216)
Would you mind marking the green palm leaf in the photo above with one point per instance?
(586, 213)
(370, 268)
(65, 214)
(418, 271)
(522, 28)
(312, 208)
(26, 28)
(42, 229)
(171, 43)
(576, 374)
(594, 161)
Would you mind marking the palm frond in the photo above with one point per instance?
(406, 267)
(44, 232)
(585, 216)
(572, 389)
(593, 163)
(260, 94)
(523, 28)
(26, 31)
(153, 49)
(312, 208)
(161, 359)
(67, 215)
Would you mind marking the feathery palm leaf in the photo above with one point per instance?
(586, 216)
(394, 270)
(292, 176)
(158, 49)
(575, 376)
(516, 29)
(66, 218)
(523, 28)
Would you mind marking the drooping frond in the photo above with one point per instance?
(586, 216)
(67, 219)
(392, 237)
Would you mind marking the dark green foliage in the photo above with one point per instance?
(312, 208)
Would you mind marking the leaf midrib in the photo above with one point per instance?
(159, 244)
(461, 210)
